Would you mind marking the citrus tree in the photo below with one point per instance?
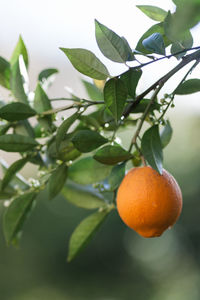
(80, 156)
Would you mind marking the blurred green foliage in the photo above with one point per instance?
(118, 264)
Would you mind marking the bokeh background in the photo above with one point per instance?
(118, 264)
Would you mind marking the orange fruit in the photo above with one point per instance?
(148, 202)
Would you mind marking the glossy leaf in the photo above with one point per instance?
(84, 232)
(4, 73)
(17, 82)
(131, 79)
(83, 197)
(93, 92)
(57, 180)
(153, 12)
(188, 87)
(111, 155)
(64, 127)
(16, 143)
(116, 176)
(20, 49)
(155, 43)
(41, 101)
(87, 171)
(88, 140)
(152, 148)
(166, 134)
(16, 111)
(45, 74)
(16, 214)
(115, 94)
(11, 171)
(86, 63)
(110, 44)
(157, 28)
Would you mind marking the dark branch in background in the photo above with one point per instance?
(186, 60)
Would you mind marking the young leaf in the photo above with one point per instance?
(152, 148)
(166, 134)
(84, 232)
(153, 12)
(11, 171)
(41, 101)
(83, 196)
(45, 74)
(16, 83)
(63, 128)
(57, 180)
(86, 63)
(93, 92)
(20, 49)
(110, 44)
(116, 176)
(87, 171)
(131, 79)
(16, 111)
(185, 42)
(111, 155)
(88, 140)
(16, 214)
(115, 94)
(4, 73)
(157, 28)
(155, 43)
(188, 87)
(16, 143)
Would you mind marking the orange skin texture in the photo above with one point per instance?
(148, 202)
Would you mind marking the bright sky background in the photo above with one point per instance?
(46, 25)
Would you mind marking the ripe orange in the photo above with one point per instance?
(149, 202)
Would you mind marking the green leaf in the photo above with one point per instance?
(64, 127)
(66, 151)
(93, 92)
(131, 79)
(16, 111)
(20, 49)
(5, 128)
(11, 171)
(57, 180)
(155, 43)
(166, 134)
(23, 127)
(157, 28)
(88, 140)
(4, 73)
(188, 87)
(84, 232)
(111, 155)
(110, 44)
(86, 63)
(115, 94)
(16, 180)
(88, 171)
(45, 74)
(82, 196)
(41, 101)
(152, 148)
(16, 83)
(16, 214)
(16, 143)
(153, 12)
(185, 42)
(7, 193)
(116, 176)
